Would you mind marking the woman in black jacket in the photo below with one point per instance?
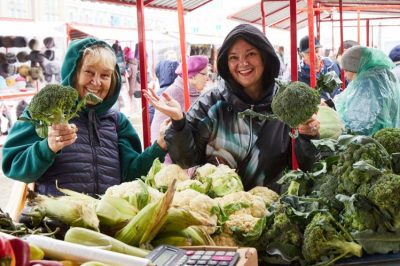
(213, 132)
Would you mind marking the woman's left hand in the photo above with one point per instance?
(311, 127)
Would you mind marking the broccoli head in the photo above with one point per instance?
(360, 164)
(56, 104)
(359, 213)
(53, 104)
(389, 138)
(281, 233)
(385, 193)
(326, 240)
(295, 103)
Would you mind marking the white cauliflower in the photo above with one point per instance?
(222, 179)
(255, 204)
(269, 196)
(192, 184)
(224, 240)
(198, 203)
(204, 171)
(244, 222)
(168, 173)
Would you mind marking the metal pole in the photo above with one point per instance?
(262, 15)
(143, 71)
(183, 54)
(311, 44)
(293, 40)
(341, 40)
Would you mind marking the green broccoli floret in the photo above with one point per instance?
(56, 104)
(360, 164)
(385, 193)
(389, 138)
(280, 234)
(325, 240)
(296, 103)
(359, 213)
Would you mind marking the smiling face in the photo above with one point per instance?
(95, 73)
(246, 66)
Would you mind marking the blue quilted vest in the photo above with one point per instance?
(91, 164)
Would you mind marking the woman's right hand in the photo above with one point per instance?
(165, 104)
(61, 135)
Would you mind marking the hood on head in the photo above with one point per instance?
(69, 67)
(256, 38)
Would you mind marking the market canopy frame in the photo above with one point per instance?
(180, 6)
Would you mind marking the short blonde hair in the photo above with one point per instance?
(101, 54)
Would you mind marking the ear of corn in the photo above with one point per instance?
(142, 228)
(181, 218)
(191, 236)
(113, 211)
(68, 210)
(140, 200)
(88, 237)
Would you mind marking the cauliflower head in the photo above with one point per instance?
(167, 174)
(242, 202)
(268, 195)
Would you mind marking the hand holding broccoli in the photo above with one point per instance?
(61, 135)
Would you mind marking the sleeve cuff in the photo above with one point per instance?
(178, 125)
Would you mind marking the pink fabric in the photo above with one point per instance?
(195, 64)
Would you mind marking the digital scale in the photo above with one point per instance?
(166, 255)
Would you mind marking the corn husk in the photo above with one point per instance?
(113, 211)
(142, 228)
(181, 218)
(68, 210)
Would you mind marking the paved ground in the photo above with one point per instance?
(5, 189)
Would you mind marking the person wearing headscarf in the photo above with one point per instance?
(212, 131)
(98, 149)
(371, 100)
(197, 66)
(165, 73)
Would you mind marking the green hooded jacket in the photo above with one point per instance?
(26, 157)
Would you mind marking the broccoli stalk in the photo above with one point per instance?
(296, 102)
(326, 241)
(56, 104)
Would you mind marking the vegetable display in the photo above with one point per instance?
(346, 206)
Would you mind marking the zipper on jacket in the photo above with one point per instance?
(95, 171)
(251, 132)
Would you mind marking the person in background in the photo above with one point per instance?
(165, 73)
(322, 65)
(371, 100)
(100, 148)
(395, 57)
(280, 51)
(5, 119)
(197, 67)
(347, 44)
(212, 131)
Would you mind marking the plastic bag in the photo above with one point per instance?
(370, 102)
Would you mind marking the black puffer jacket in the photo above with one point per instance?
(212, 131)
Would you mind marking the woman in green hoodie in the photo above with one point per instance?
(99, 149)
